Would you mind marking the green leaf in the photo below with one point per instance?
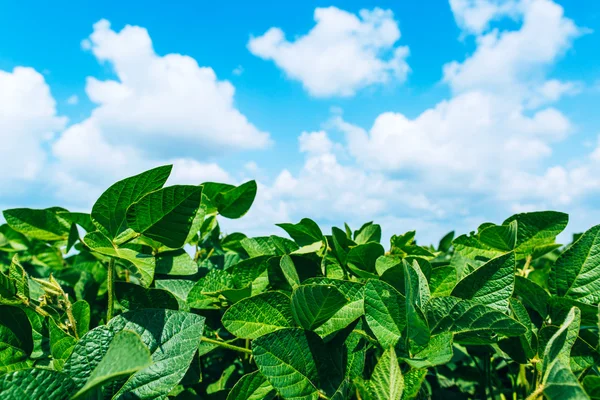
(289, 271)
(592, 386)
(176, 262)
(16, 341)
(361, 259)
(536, 230)
(313, 305)
(472, 323)
(230, 201)
(385, 312)
(438, 351)
(125, 355)
(253, 386)
(38, 224)
(268, 246)
(446, 242)
(501, 237)
(350, 312)
(258, 315)
(558, 380)
(109, 211)
(87, 354)
(305, 232)
(135, 297)
(36, 383)
(532, 295)
(297, 363)
(166, 215)
(413, 380)
(61, 345)
(143, 263)
(172, 337)
(442, 281)
(82, 313)
(369, 232)
(575, 274)
(492, 284)
(387, 382)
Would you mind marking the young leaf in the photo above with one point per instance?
(143, 263)
(109, 211)
(61, 345)
(361, 259)
(387, 382)
(313, 305)
(305, 232)
(258, 315)
(230, 201)
(166, 215)
(369, 232)
(252, 386)
(125, 355)
(492, 284)
(81, 313)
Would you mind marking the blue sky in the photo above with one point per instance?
(430, 115)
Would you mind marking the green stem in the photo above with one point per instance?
(536, 393)
(226, 345)
(110, 286)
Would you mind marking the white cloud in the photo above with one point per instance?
(237, 71)
(474, 16)
(72, 100)
(28, 120)
(341, 54)
(167, 102)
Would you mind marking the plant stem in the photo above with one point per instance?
(226, 345)
(110, 283)
(537, 392)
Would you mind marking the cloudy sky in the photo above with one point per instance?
(431, 115)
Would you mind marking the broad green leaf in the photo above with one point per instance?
(500, 237)
(521, 348)
(492, 284)
(258, 315)
(387, 382)
(438, 351)
(135, 297)
(125, 355)
(87, 354)
(537, 230)
(413, 380)
(38, 224)
(39, 334)
(268, 246)
(297, 363)
(166, 215)
(313, 305)
(109, 211)
(471, 247)
(172, 337)
(176, 262)
(289, 271)
(143, 263)
(252, 386)
(416, 293)
(369, 232)
(82, 313)
(349, 312)
(180, 288)
(532, 295)
(230, 201)
(16, 341)
(305, 232)
(575, 274)
(592, 386)
(61, 345)
(82, 219)
(446, 242)
(442, 281)
(361, 259)
(472, 323)
(385, 312)
(36, 383)
(558, 380)
(205, 293)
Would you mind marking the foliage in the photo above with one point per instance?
(145, 298)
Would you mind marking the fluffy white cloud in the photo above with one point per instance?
(341, 54)
(474, 16)
(28, 120)
(167, 102)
